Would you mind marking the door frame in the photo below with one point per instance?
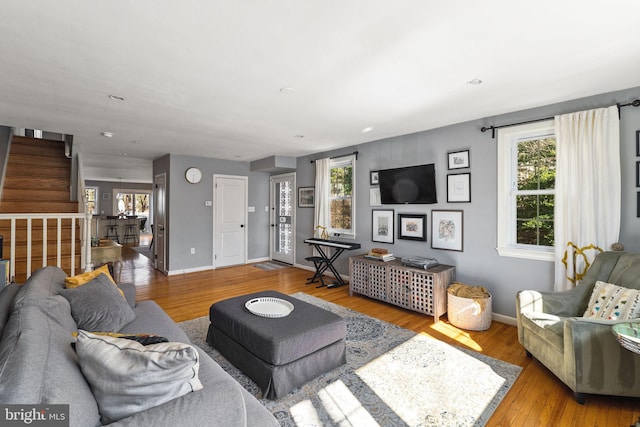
(272, 214)
(245, 180)
(155, 228)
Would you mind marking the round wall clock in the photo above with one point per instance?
(193, 175)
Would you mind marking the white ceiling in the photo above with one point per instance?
(204, 78)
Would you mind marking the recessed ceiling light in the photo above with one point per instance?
(107, 134)
(474, 82)
(124, 154)
(136, 142)
(116, 98)
(367, 129)
(287, 90)
(298, 136)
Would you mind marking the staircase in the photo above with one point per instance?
(37, 184)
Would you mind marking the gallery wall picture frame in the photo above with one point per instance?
(373, 178)
(458, 159)
(412, 227)
(447, 230)
(306, 197)
(382, 225)
(459, 188)
(638, 174)
(638, 143)
(638, 207)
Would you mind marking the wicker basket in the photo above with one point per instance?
(468, 313)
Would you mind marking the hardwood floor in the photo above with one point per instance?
(536, 399)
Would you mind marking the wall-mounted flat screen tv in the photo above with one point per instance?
(408, 185)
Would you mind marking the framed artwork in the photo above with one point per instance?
(374, 197)
(306, 197)
(638, 143)
(373, 178)
(638, 207)
(637, 174)
(412, 227)
(459, 188)
(447, 230)
(458, 159)
(382, 225)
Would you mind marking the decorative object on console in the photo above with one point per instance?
(382, 225)
(458, 159)
(447, 230)
(306, 197)
(412, 227)
(380, 254)
(459, 188)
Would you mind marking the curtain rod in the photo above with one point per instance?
(341, 155)
(635, 103)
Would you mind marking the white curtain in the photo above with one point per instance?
(588, 190)
(322, 214)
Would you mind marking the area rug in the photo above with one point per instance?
(393, 377)
(270, 265)
(143, 250)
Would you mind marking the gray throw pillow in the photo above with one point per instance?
(98, 306)
(127, 377)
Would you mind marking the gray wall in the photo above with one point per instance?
(190, 222)
(479, 263)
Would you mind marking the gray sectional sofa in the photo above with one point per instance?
(39, 366)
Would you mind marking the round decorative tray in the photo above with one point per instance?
(628, 335)
(269, 307)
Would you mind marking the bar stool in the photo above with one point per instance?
(131, 230)
(112, 229)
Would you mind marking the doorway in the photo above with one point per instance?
(283, 228)
(158, 228)
(230, 219)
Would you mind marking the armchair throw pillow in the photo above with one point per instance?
(612, 302)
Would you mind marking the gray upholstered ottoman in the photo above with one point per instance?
(279, 354)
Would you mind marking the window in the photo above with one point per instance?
(91, 199)
(526, 190)
(342, 195)
(131, 202)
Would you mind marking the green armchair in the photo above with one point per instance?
(582, 352)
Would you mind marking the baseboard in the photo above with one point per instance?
(504, 319)
(190, 270)
(255, 260)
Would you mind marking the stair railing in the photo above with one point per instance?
(34, 219)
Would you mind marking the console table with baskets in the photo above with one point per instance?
(424, 291)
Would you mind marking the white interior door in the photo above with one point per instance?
(159, 236)
(283, 227)
(230, 220)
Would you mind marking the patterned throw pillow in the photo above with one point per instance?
(612, 302)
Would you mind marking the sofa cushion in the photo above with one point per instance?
(548, 326)
(98, 306)
(612, 302)
(7, 295)
(38, 365)
(127, 377)
(43, 283)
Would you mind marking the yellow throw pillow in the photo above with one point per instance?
(81, 279)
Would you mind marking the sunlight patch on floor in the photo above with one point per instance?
(456, 334)
(343, 407)
(305, 414)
